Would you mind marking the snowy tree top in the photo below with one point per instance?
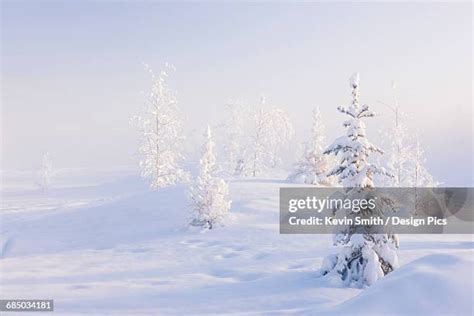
(354, 80)
(354, 148)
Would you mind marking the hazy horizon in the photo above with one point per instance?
(73, 75)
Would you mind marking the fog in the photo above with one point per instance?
(73, 74)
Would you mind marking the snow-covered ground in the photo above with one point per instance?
(102, 243)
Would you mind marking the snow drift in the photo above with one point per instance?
(438, 284)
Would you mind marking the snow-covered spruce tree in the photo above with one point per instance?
(364, 257)
(161, 135)
(314, 165)
(209, 194)
(271, 131)
(45, 172)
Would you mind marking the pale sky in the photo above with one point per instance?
(72, 73)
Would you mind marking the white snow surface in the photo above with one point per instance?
(102, 243)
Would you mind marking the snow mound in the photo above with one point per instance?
(437, 284)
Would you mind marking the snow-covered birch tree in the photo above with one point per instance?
(234, 142)
(45, 172)
(400, 149)
(209, 194)
(281, 132)
(314, 165)
(363, 257)
(419, 177)
(260, 142)
(271, 131)
(160, 126)
(399, 154)
(406, 160)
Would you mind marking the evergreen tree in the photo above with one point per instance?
(364, 257)
(314, 165)
(209, 194)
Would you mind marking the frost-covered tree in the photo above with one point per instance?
(260, 141)
(209, 194)
(400, 149)
(270, 132)
(364, 257)
(234, 142)
(419, 177)
(399, 154)
(160, 126)
(45, 172)
(314, 165)
(354, 149)
(406, 160)
(281, 133)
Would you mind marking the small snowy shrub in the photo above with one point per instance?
(209, 194)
